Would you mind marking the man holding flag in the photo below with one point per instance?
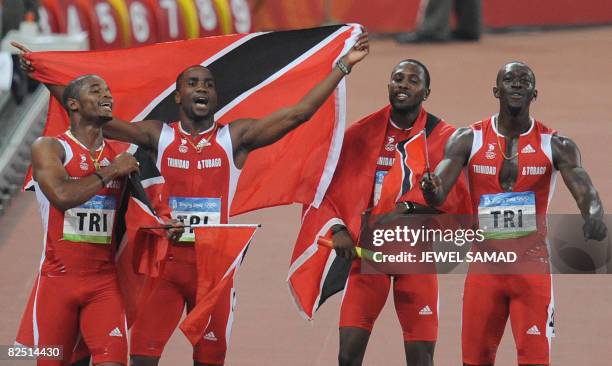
(79, 181)
(316, 273)
(201, 162)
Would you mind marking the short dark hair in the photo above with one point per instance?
(419, 64)
(520, 63)
(180, 75)
(74, 88)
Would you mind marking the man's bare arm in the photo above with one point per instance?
(566, 158)
(250, 134)
(436, 186)
(62, 191)
(144, 133)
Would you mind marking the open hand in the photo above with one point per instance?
(359, 51)
(24, 63)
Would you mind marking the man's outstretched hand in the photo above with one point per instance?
(359, 51)
(24, 63)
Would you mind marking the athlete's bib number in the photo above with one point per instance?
(507, 215)
(195, 211)
(378, 182)
(91, 222)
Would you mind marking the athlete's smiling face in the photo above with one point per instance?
(197, 93)
(408, 86)
(515, 87)
(95, 102)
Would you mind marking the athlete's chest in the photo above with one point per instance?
(511, 162)
(201, 158)
(386, 156)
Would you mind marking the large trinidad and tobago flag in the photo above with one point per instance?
(255, 74)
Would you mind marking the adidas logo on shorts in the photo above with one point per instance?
(533, 330)
(425, 311)
(115, 333)
(528, 149)
(210, 336)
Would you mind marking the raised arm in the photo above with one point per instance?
(436, 186)
(566, 158)
(144, 133)
(62, 191)
(26, 65)
(250, 134)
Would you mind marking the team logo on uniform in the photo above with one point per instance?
(115, 333)
(390, 145)
(533, 330)
(105, 162)
(183, 148)
(528, 149)
(490, 154)
(210, 336)
(425, 311)
(83, 165)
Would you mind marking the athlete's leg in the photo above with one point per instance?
(485, 311)
(531, 317)
(55, 319)
(82, 362)
(364, 298)
(353, 343)
(419, 353)
(416, 303)
(102, 320)
(150, 331)
(81, 356)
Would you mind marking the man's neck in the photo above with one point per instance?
(405, 118)
(194, 128)
(511, 125)
(89, 134)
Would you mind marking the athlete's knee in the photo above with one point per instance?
(419, 353)
(82, 362)
(143, 360)
(346, 358)
(353, 342)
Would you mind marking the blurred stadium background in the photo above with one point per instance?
(567, 43)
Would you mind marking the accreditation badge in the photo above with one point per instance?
(91, 222)
(507, 215)
(195, 211)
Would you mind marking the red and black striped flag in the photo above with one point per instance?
(255, 75)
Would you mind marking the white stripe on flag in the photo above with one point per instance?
(280, 72)
(206, 62)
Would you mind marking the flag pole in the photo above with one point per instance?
(166, 227)
(427, 168)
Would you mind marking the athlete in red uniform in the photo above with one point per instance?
(512, 162)
(79, 181)
(415, 295)
(201, 162)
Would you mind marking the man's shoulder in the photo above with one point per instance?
(47, 142)
(369, 124)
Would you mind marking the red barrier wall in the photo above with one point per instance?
(387, 16)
